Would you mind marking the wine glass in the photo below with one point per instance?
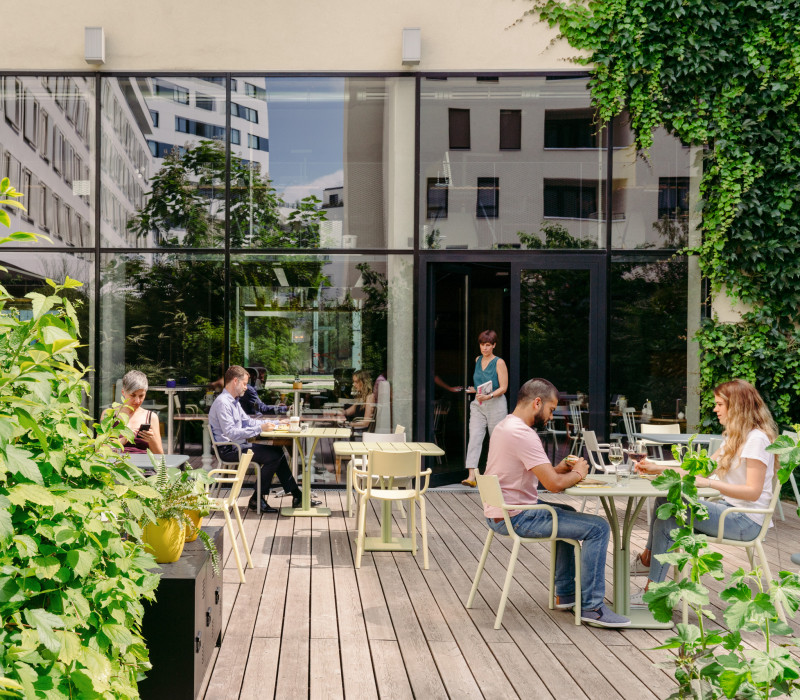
(615, 455)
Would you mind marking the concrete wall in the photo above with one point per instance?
(272, 35)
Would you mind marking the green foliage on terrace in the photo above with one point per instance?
(725, 75)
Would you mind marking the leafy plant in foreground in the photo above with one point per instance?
(712, 663)
(72, 570)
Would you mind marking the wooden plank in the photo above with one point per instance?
(323, 592)
(326, 670)
(520, 673)
(293, 668)
(390, 672)
(455, 672)
(269, 622)
(262, 668)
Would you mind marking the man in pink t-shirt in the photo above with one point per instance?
(517, 458)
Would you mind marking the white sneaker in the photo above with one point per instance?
(638, 568)
(637, 600)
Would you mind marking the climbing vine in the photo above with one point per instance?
(724, 75)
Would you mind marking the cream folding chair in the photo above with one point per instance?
(492, 495)
(660, 429)
(383, 468)
(751, 545)
(234, 478)
(361, 462)
(221, 462)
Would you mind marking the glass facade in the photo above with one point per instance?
(293, 224)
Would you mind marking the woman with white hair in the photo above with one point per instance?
(144, 424)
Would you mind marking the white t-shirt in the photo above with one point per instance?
(754, 447)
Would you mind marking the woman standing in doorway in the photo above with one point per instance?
(489, 407)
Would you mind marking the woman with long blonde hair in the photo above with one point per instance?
(743, 477)
(361, 413)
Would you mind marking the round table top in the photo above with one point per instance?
(638, 487)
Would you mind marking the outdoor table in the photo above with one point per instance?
(386, 543)
(305, 459)
(638, 489)
(170, 391)
(678, 438)
(142, 461)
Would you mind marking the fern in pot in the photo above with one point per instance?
(170, 516)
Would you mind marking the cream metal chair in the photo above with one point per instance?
(492, 495)
(383, 468)
(629, 421)
(221, 462)
(234, 478)
(751, 545)
(361, 462)
(659, 429)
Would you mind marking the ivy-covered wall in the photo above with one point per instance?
(724, 74)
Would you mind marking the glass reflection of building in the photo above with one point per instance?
(270, 221)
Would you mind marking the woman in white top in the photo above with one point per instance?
(743, 475)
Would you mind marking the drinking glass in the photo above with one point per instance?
(615, 455)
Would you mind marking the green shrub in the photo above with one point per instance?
(71, 581)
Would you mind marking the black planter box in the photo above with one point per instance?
(184, 624)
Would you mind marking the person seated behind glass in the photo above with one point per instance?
(251, 403)
(361, 413)
(131, 413)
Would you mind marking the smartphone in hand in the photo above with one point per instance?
(144, 427)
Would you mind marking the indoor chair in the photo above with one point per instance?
(378, 481)
(492, 495)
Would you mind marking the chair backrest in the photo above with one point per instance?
(383, 408)
(491, 493)
(593, 448)
(630, 423)
(384, 437)
(773, 503)
(660, 428)
(399, 429)
(241, 470)
(214, 447)
(714, 444)
(393, 465)
(575, 416)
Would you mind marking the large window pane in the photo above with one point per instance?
(161, 314)
(325, 153)
(163, 162)
(648, 335)
(547, 166)
(654, 199)
(28, 272)
(324, 318)
(47, 151)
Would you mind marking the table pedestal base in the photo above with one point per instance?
(307, 512)
(395, 544)
(642, 618)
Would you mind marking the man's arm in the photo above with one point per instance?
(555, 480)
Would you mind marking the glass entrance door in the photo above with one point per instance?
(561, 333)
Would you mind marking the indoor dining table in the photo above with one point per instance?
(386, 543)
(635, 492)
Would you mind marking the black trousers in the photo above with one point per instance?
(272, 460)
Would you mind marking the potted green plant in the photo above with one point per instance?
(169, 517)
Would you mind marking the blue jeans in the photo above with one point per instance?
(738, 526)
(592, 530)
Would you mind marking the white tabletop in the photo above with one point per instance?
(678, 438)
(143, 460)
(638, 486)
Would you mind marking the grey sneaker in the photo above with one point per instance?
(565, 602)
(638, 568)
(604, 617)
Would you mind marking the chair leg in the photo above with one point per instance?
(780, 510)
(243, 536)
(424, 526)
(229, 526)
(507, 585)
(479, 572)
(577, 547)
(349, 487)
(551, 593)
(362, 523)
(749, 551)
(412, 520)
(768, 573)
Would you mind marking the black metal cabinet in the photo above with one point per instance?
(184, 624)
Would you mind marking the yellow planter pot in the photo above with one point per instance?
(197, 521)
(165, 540)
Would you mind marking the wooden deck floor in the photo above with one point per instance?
(308, 624)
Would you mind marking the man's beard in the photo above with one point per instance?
(539, 421)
